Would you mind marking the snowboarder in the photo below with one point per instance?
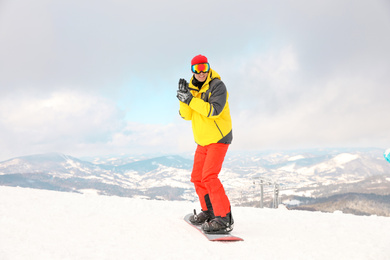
(204, 101)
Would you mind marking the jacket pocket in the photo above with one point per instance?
(218, 128)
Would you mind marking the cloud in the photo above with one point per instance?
(154, 138)
(274, 105)
(298, 73)
(56, 121)
(80, 124)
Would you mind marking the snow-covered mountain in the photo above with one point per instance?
(38, 224)
(299, 175)
(65, 173)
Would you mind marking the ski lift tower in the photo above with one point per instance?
(262, 182)
(276, 195)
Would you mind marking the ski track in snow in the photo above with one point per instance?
(38, 224)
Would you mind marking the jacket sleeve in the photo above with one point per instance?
(185, 111)
(217, 99)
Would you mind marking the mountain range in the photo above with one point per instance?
(302, 179)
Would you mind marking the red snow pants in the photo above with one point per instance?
(207, 165)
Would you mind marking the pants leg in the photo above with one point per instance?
(211, 169)
(196, 177)
(207, 165)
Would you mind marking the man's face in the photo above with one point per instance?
(201, 77)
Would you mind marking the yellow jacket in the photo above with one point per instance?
(209, 111)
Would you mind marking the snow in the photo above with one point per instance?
(338, 161)
(345, 158)
(38, 224)
(295, 158)
(288, 168)
(292, 202)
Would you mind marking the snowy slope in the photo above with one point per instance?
(39, 224)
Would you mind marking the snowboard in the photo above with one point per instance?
(213, 237)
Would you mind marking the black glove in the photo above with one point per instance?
(184, 96)
(183, 85)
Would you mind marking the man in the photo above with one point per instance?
(204, 101)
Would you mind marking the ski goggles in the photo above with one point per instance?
(202, 67)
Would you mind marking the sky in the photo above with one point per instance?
(99, 77)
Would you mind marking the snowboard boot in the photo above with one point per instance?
(219, 225)
(202, 217)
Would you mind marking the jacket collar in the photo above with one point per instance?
(212, 75)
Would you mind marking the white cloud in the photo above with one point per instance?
(154, 138)
(274, 104)
(57, 121)
(298, 73)
(81, 124)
